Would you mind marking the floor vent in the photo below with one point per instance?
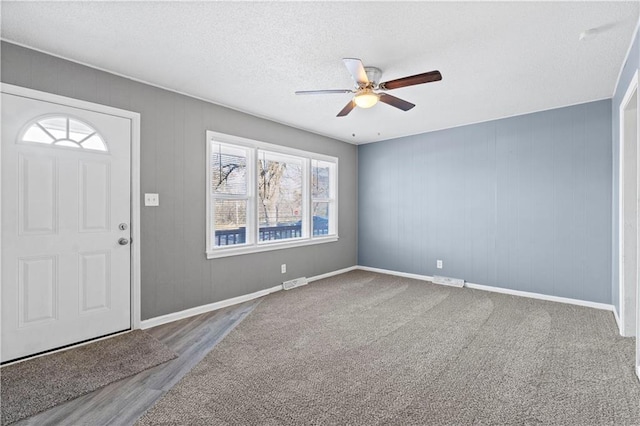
(455, 282)
(288, 285)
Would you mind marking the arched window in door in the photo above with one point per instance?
(63, 131)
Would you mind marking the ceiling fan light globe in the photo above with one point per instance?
(366, 100)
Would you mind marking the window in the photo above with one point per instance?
(63, 131)
(323, 203)
(264, 197)
(229, 193)
(280, 189)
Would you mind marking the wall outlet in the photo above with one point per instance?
(151, 200)
(439, 264)
(283, 268)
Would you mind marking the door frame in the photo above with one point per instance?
(625, 317)
(134, 117)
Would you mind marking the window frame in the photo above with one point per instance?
(252, 243)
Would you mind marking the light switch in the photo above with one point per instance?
(151, 200)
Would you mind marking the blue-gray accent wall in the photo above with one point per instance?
(629, 68)
(522, 203)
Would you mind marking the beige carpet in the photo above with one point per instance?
(370, 349)
(35, 385)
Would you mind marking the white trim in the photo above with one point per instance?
(396, 273)
(626, 56)
(175, 316)
(633, 86)
(135, 175)
(268, 246)
(569, 301)
(266, 146)
(596, 305)
(136, 224)
(638, 371)
(66, 101)
(164, 319)
(405, 275)
(332, 274)
(617, 318)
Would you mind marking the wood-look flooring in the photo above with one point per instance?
(123, 402)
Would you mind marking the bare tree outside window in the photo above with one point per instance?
(279, 195)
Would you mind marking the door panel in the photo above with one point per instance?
(95, 196)
(95, 281)
(65, 277)
(38, 287)
(37, 194)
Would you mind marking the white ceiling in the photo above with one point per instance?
(497, 59)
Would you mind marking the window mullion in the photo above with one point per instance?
(254, 196)
(307, 220)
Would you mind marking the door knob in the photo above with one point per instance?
(123, 241)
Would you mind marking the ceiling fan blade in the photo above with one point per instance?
(426, 77)
(323, 92)
(347, 109)
(396, 102)
(356, 69)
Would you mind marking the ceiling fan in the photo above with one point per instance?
(367, 84)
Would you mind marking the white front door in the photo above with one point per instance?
(66, 210)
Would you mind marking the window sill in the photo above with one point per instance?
(237, 251)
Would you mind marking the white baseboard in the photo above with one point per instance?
(617, 317)
(396, 273)
(175, 316)
(332, 273)
(638, 371)
(540, 296)
(578, 302)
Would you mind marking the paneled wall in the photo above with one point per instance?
(175, 273)
(522, 203)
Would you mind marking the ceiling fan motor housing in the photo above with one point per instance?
(373, 74)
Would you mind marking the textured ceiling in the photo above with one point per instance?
(497, 59)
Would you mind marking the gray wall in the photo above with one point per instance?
(522, 203)
(175, 273)
(629, 68)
